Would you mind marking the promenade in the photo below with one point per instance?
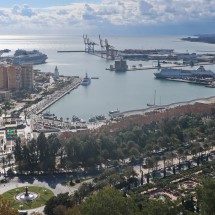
(51, 99)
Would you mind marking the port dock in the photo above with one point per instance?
(70, 51)
(59, 95)
(136, 68)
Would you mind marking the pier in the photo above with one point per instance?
(51, 99)
(70, 51)
(62, 94)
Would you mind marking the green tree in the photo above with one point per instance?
(18, 153)
(9, 157)
(108, 201)
(61, 199)
(155, 207)
(42, 150)
(5, 208)
(206, 197)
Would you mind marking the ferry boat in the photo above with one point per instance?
(86, 81)
(201, 72)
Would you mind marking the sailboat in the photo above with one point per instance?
(152, 105)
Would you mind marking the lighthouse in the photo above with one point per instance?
(56, 73)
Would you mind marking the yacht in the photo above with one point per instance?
(86, 81)
(34, 57)
(100, 117)
(75, 119)
(113, 112)
(92, 119)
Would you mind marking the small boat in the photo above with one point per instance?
(100, 117)
(152, 105)
(92, 119)
(86, 81)
(113, 112)
(76, 119)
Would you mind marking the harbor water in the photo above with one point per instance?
(113, 90)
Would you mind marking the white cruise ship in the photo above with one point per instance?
(29, 57)
(181, 73)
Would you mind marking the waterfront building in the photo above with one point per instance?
(56, 73)
(121, 65)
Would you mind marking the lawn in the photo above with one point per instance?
(44, 195)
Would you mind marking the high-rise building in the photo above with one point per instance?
(3, 77)
(15, 77)
(12, 78)
(27, 76)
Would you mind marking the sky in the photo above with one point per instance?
(110, 17)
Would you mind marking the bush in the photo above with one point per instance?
(71, 183)
(77, 180)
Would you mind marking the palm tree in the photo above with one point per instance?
(3, 162)
(141, 162)
(156, 159)
(9, 157)
(180, 154)
(61, 119)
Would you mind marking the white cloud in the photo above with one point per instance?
(109, 12)
(23, 10)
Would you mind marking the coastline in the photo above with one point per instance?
(209, 100)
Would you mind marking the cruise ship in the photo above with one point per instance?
(86, 81)
(25, 57)
(201, 72)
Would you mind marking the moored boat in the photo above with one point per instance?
(86, 81)
(113, 112)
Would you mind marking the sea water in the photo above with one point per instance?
(125, 91)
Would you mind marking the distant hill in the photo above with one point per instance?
(208, 38)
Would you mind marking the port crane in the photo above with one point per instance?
(103, 48)
(89, 44)
(107, 49)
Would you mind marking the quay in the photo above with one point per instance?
(61, 94)
(205, 83)
(70, 51)
(51, 99)
(135, 68)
